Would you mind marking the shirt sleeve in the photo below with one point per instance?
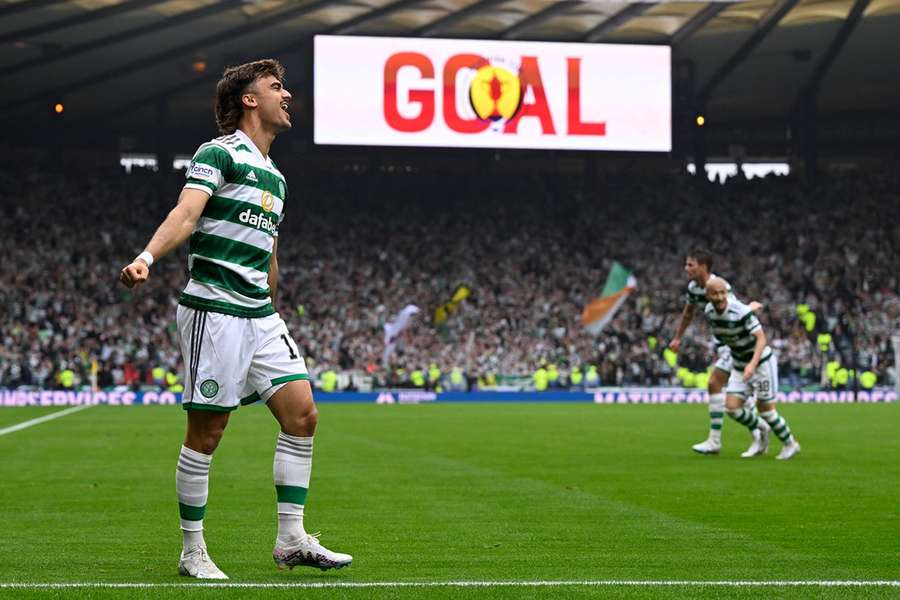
(283, 208)
(751, 323)
(280, 219)
(694, 299)
(208, 169)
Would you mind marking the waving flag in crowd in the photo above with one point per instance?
(393, 329)
(619, 284)
(448, 308)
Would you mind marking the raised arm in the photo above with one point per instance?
(687, 315)
(173, 231)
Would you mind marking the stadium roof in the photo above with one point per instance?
(115, 59)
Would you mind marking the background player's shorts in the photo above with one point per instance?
(764, 382)
(723, 359)
(234, 360)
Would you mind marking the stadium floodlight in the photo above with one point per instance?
(720, 171)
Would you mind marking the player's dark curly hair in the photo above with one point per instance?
(234, 83)
(702, 256)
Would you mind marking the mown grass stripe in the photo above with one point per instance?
(467, 584)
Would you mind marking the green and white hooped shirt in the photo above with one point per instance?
(735, 328)
(231, 245)
(696, 293)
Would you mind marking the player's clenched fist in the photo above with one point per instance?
(135, 274)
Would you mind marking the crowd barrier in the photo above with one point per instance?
(597, 396)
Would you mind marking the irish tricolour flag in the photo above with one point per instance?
(598, 312)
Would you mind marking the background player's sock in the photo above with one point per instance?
(778, 424)
(192, 486)
(748, 417)
(716, 416)
(292, 469)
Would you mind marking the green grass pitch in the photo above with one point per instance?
(463, 492)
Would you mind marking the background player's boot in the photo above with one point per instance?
(195, 562)
(709, 446)
(760, 443)
(308, 552)
(789, 450)
(754, 449)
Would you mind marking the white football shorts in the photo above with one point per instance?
(764, 383)
(231, 360)
(723, 359)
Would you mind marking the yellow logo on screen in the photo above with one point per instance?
(495, 93)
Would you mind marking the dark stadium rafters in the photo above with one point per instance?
(759, 34)
(455, 17)
(184, 49)
(212, 76)
(696, 22)
(378, 13)
(121, 36)
(633, 9)
(11, 9)
(79, 19)
(541, 16)
(158, 96)
(810, 88)
(728, 42)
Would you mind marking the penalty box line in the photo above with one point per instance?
(462, 584)
(39, 420)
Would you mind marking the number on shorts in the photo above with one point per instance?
(287, 342)
(763, 386)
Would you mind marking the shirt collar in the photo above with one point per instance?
(246, 139)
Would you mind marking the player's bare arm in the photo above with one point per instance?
(173, 231)
(273, 270)
(756, 306)
(750, 369)
(687, 315)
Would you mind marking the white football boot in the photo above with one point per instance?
(195, 562)
(709, 446)
(760, 443)
(308, 552)
(789, 450)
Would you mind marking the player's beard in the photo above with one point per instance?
(283, 124)
(277, 121)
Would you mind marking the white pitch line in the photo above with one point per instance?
(461, 584)
(39, 420)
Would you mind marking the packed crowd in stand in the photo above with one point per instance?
(355, 250)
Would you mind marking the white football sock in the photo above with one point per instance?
(192, 486)
(716, 416)
(292, 470)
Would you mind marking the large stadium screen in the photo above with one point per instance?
(492, 94)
